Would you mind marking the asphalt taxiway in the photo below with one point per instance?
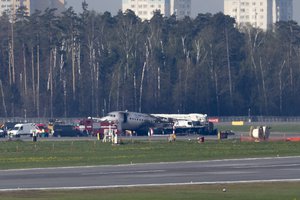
(275, 169)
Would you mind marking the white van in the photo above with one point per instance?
(23, 129)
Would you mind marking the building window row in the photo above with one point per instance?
(247, 3)
(247, 10)
(146, 6)
(143, 0)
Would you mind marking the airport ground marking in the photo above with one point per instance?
(154, 163)
(151, 185)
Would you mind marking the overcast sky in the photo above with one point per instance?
(198, 6)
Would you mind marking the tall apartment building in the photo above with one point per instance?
(44, 4)
(10, 6)
(145, 8)
(181, 8)
(259, 13)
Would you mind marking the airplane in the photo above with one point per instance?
(142, 123)
(132, 121)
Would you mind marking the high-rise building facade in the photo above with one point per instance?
(180, 8)
(10, 6)
(44, 4)
(259, 13)
(145, 8)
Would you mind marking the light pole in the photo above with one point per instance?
(249, 115)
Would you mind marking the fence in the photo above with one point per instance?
(38, 120)
(269, 119)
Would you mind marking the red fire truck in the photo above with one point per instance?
(93, 127)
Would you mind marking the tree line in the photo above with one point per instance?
(89, 63)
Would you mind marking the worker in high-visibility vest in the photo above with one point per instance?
(34, 136)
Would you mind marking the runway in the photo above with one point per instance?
(179, 173)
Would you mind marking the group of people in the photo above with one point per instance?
(110, 135)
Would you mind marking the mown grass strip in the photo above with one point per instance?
(293, 128)
(266, 191)
(19, 154)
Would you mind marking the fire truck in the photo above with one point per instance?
(93, 127)
(85, 126)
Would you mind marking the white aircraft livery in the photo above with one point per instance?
(130, 120)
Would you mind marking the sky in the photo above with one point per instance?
(198, 6)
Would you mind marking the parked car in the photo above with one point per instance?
(9, 125)
(67, 131)
(2, 133)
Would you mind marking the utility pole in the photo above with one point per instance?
(12, 57)
(3, 98)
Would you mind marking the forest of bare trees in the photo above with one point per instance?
(87, 64)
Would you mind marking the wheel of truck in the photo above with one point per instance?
(85, 133)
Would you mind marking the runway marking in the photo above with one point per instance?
(227, 172)
(265, 166)
(124, 172)
(152, 185)
(141, 164)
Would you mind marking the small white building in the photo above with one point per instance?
(145, 8)
(259, 13)
(11, 6)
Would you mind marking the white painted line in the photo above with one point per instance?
(130, 172)
(266, 166)
(141, 164)
(152, 185)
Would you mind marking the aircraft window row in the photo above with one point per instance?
(136, 119)
(140, 119)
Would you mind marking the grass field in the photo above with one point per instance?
(275, 127)
(270, 191)
(19, 154)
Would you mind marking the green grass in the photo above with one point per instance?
(275, 127)
(270, 191)
(19, 154)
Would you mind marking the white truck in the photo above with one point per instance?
(23, 129)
